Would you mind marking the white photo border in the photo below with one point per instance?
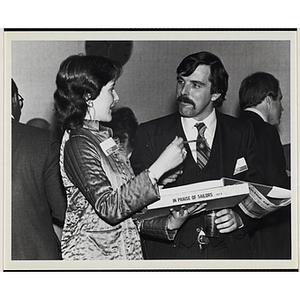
(162, 265)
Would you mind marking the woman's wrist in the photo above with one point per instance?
(152, 176)
(157, 169)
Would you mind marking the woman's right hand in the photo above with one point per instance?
(170, 158)
(177, 218)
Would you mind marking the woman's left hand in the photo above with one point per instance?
(177, 218)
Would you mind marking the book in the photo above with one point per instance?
(255, 200)
(217, 194)
(263, 200)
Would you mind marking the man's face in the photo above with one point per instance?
(193, 94)
(275, 110)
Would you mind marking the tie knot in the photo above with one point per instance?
(201, 128)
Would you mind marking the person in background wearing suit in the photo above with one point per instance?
(228, 150)
(124, 125)
(260, 101)
(38, 196)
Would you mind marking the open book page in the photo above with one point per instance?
(279, 193)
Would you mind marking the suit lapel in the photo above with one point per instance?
(172, 127)
(226, 146)
(166, 133)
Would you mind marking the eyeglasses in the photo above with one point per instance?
(20, 99)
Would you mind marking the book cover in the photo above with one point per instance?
(255, 200)
(217, 194)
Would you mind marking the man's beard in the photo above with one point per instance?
(185, 99)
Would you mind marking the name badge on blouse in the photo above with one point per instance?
(109, 146)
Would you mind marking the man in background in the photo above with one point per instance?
(38, 197)
(124, 125)
(260, 101)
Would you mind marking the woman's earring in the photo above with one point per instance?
(90, 105)
(87, 96)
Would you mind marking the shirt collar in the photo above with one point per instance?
(95, 125)
(210, 122)
(91, 124)
(255, 110)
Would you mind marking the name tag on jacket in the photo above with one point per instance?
(241, 166)
(109, 146)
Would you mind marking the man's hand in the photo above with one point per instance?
(228, 221)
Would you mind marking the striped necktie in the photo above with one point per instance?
(203, 150)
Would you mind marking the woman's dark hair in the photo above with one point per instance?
(218, 75)
(81, 78)
(256, 87)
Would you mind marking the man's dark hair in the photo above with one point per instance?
(16, 105)
(256, 87)
(14, 88)
(218, 75)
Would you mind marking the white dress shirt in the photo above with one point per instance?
(191, 132)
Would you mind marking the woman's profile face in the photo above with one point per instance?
(105, 102)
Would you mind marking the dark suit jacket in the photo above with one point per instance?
(272, 238)
(233, 139)
(38, 196)
(270, 150)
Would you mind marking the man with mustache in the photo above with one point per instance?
(260, 100)
(230, 151)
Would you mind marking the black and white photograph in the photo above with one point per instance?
(150, 150)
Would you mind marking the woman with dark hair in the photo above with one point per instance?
(101, 188)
